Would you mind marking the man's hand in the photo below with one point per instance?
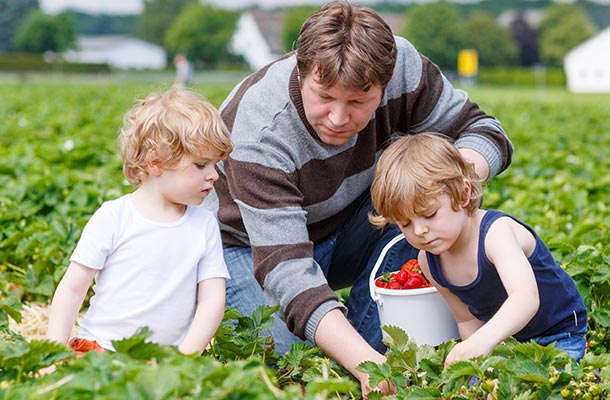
(340, 341)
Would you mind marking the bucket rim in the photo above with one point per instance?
(405, 292)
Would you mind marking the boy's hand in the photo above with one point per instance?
(47, 370)
(468, 348)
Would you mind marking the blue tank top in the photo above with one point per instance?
(561, 305)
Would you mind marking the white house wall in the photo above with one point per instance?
(135, 55)
(587, 66)
(118, 52)
(250, 43)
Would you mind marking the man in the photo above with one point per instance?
(293, 198)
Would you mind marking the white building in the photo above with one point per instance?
(258, 36)
(587, 66)
(118, 51)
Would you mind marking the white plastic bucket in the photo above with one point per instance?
(422, 313)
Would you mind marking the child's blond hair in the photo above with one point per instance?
(167, 127)
(416, 169)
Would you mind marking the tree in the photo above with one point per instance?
(526, 39)
(564, 27)
(436, 30)
(493, 43)
(157, 17)
(293, 21)
(12, 14)
(203, 32)
(43, 32)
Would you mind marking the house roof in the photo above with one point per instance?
(532, 16)
(597, 46)
(271, 23)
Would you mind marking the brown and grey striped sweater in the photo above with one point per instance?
(282, 189)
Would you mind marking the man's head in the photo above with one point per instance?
(168, 128)
(345, 58)
(346, 45)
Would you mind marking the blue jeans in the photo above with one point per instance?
(347, 258)
(572, 343)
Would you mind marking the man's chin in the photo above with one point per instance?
(335, 140)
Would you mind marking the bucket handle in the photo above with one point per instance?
(380, 259)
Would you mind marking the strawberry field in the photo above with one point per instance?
(58, 163)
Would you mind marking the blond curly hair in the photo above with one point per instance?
(168, 127)
(416, 169)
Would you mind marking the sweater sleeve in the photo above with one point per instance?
(276, 224)
(429, 102)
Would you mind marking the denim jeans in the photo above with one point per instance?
(347, 258)
(572, 343)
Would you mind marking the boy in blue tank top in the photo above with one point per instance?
(497, 276)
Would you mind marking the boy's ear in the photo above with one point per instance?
(467, 192)
(154, 164)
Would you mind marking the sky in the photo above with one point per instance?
(135, 6)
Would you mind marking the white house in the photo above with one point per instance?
(258, 36)
(587, 66)
(118, 51)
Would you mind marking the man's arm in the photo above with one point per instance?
(339, 340)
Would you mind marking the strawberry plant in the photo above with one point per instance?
(58, 163)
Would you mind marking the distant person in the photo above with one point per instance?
(184, 71)
(293, 198)
(496, 274)
(155, 255)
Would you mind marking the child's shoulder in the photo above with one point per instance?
(201, 213)
(113, 207)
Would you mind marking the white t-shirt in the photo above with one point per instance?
(148, 271)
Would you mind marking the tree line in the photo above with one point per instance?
(438, 29)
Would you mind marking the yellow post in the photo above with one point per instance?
(468, 63)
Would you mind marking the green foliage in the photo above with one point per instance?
(436, 30)
(58, 162)
(203, 32)
(142, 370)
(27, 62)
(523, 76)
(43, 32)
(104, 24)
(564, 27)
(292, 21)
(493, 43)
(157, 17)
(12, 15)
(514, 370)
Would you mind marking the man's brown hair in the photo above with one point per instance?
(348, 45)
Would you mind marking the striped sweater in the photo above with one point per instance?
(282, 189)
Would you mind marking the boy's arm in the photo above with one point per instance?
(208, 316)
(505, 251)
(466, 322)
(67, 301)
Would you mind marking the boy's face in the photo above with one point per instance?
(337, 114)
(437, 228)
(191, 180)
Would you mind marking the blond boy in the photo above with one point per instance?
(495, 273)
(154, 254)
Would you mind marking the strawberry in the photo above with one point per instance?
(410, 265)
